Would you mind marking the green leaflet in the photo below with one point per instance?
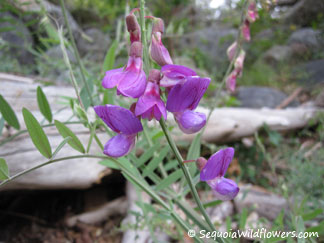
(8, 113)
(4, 171)
(43, 105)
(37, 134)
(74, 142)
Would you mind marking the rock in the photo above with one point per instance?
(320, 99)
(258, 97)
(277, 54)
(308, 37)
(96, 48)
(18, 38)
(304, 12)
(219, 213)
(55, 11)
(213, 42)
(264, 203)
(56, 53)
(310, 73)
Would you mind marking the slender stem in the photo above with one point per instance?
(143, 36)
(98, 142)
(4, 141)
(92, 133)
(187, 174)
(76, 53)
(239, 40)
(50, 162)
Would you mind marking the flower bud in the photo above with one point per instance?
(246, 30)
(231, 51)
(133, 28)
(158, 25)
(200, 163)
(136, 49)
(154, 76)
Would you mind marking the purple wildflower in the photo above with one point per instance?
(213, 172)
(246, 30)
(130, 81)
(150, 105)
(158, 51)
(123, 122)
(183, 99)
(174, 74)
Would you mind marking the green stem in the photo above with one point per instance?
(98, 141)
(239, 40)
(187, 174)
(143, 36)
(76, 53)
(50, 162)
(4, 141)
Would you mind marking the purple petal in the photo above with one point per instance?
(133, 83)
(158, 52)
(187, 95)
(119, 145)
(217, 164)
(223, 188)
(119, 119)
(174, 74)
(150, 104)
(112, 78)
(190, 121)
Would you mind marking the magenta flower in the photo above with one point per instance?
(133, 27)
(231, 51)
(231, 81)
(157, 50)
(246, 30)
(123, 122)
(252, 13)
(213, 172)
(150, 105)
(174, 74)
(131, 80)
(183, 99)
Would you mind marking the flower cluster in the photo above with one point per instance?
(250, 17)
(181, 86)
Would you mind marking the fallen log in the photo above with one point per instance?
(225, 125)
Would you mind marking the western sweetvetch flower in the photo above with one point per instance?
(246, 30)
(252, 13)
(237, 72)
(183, 99)
(133, 27)
(174, 74)
(150, 105)
(157, 50)
(231, 50)
(213, 171)
(123, 122)
(131, 80)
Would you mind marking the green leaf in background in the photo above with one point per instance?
(156, 161)
(4, 171)
(312, 215)
(147, 155)
(173, 177)
(194, 153)
(43, 104)
(110, 164)
(37, 134)
(8, 113)
(300, 227)
(243, 218)
(110, 57)
(74, 142)
(2, 122)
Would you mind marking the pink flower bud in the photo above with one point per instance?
(200, 163)
(246, 30)
(157, 50)
(136, 49)
(133, 28)
(231, 81)
(238, 65)
(154, 76)
(252, 13)
(231, 51)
